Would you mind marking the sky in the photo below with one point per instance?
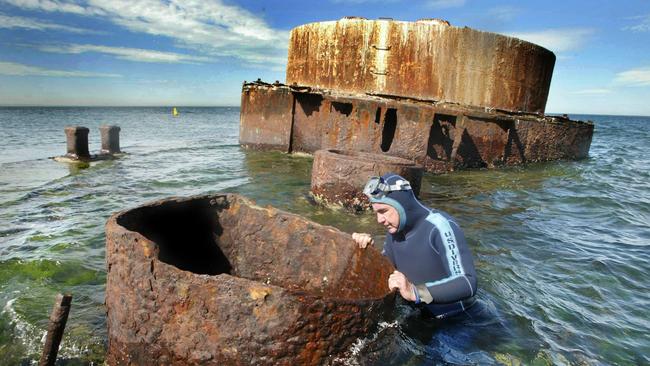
(199, 52)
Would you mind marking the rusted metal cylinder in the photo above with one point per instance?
(216, 280)
(427, 59)
(338, 176)
(110, 139)
(77, 142)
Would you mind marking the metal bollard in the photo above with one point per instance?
(110, 139)
(77, 141)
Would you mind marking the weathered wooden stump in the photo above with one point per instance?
(216, 280)
(110, 139)
(338, 176)
(77, 143)
(55, 329)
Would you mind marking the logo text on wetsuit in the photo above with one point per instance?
(450, 241)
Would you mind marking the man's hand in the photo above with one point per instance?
(398, 281)
(362, 239)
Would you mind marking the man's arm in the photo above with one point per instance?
(460, 282)
(447, 290)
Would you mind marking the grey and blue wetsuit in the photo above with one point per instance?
(429, 248)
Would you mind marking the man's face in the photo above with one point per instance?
(387, 215)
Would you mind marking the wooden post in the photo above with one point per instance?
(55, 329)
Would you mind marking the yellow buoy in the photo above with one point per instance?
(174, 112)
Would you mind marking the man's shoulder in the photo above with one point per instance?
(442, 221)
(438, 214)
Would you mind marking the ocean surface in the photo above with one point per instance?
(562, 249)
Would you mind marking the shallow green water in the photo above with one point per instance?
(561, 248)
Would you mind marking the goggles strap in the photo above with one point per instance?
(400, 185)
(382, 188)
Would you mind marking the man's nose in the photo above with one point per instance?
(380, 219)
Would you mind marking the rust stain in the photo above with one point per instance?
(257, 293)
(425, 59)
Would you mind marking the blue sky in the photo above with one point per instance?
(198, 52)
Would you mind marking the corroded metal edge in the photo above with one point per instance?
(430, 21)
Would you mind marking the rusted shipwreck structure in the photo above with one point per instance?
(443, 96)
(217, 280)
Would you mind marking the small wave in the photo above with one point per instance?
(350, 357)
(77, 344)
(23, 332)
(12, 231)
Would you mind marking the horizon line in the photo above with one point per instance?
(239, 106)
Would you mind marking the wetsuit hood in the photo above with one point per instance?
(409, 208)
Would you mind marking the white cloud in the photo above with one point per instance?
(131, 54)
(51, 6)
(15, 69)
(594, 91)
(642, 26)
(634, 77)
(209, 26)
(443, 4)
(556, 40)
(39, 25)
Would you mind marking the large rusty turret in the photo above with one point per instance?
(428, 59)
(444, 97)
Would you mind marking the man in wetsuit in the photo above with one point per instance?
(428, 248)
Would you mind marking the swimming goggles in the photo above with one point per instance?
(378, 188)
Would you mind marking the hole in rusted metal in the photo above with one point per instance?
(309, 103)
(378, 116)
(343, 108)
(441, 137)
(390, 125)
(468, 155)
(186, 234)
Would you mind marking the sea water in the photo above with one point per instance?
(562, 249)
